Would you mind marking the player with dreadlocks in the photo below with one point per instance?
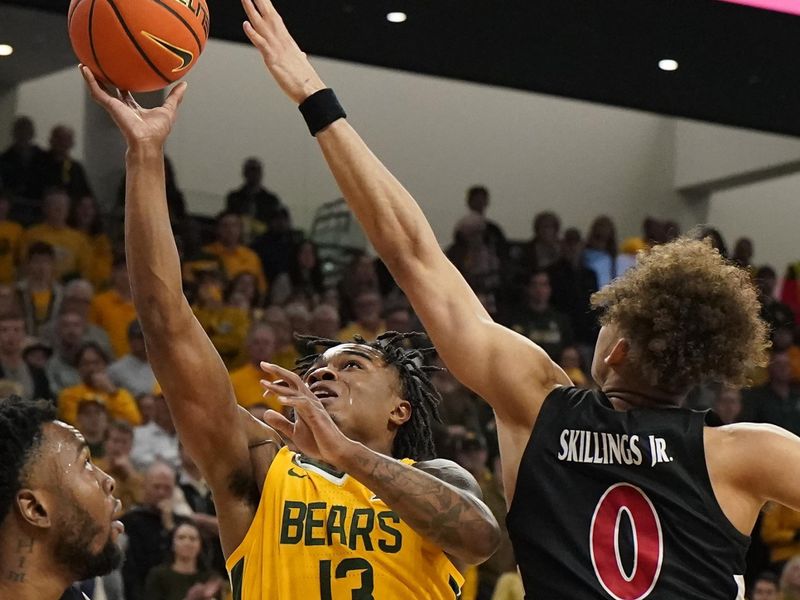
(414, 438)
(341, 516)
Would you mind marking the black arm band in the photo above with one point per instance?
(321, 109)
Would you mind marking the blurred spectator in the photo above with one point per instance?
(286, 353)
(544, 248)
(572, 287)
(77, 298)
(85, 217)
(790, 292)
(36, 353)
(73, 255)
(147, 403)
(253, 201)
(706, 232)
(478, 202)
(92, 364)
(458, 409)
(743, 253)
(198, 497)
(600, 254)
(367, 321)
(765, 587)
(92, 422)
(18, 162)
(325, 322)
(226, 325)
(149, 527)
(540, 322)
(56, 167)
(783, 341)
(260, 347)
(234, 257)
(572, 362)
(39, 294)
(790, 580)
(304, 276)
(472, 454)
(10, 238)
(133, 371)
(509, 587)
(276, 247)
(775, 313)
(113, 310)
(359, 277)
(32, 380)
(473, 256)
(242, 292)
(727, 404)
(156, 441)
(398, 318)
(776, 402)
(184, 576)
(70, 336)
(117, 463)
(299, 317)
(780, 531)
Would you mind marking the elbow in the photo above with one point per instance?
(483, 542)
(162, 316)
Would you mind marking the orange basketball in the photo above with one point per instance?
(138, 45)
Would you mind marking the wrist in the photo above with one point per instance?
(144, 151)
(350, 456)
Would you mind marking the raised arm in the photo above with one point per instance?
(186, 364)
(508, 370)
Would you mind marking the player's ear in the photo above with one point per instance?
(33, 508)
(401, 413)
(618, 353)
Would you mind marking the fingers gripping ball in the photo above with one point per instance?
(138, 45)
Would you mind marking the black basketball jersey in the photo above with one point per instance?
(619, 505)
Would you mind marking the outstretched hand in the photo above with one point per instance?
(140, 126)
(288, 64)
(313, 432)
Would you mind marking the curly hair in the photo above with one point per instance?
(414, 438)
(21, 424)
(689, 316)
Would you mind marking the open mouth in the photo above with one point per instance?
(117, 527)
(323, 392)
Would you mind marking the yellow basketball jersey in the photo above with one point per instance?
(319, 535)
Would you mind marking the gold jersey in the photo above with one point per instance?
(320, 535)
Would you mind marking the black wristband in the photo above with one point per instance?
(321, 109)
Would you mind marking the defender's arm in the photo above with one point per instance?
(472, 346)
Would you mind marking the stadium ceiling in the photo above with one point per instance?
(736, 64)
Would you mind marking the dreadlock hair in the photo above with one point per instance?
(414, 438)
(20, 435)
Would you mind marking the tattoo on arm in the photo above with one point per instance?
(439, 500)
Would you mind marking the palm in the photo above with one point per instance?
(137, 124)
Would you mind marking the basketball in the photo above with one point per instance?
(138, 45)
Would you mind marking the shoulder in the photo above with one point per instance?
(452, 473)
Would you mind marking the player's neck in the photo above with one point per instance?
(27, 573)
(625, 397)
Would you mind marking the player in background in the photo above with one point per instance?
(345, 516)
(57, 510)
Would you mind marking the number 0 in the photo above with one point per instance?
(648, 543)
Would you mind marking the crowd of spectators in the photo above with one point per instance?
(68, 333)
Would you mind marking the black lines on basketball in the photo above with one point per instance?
(131, 37)
(185, 23)
(91, 44)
